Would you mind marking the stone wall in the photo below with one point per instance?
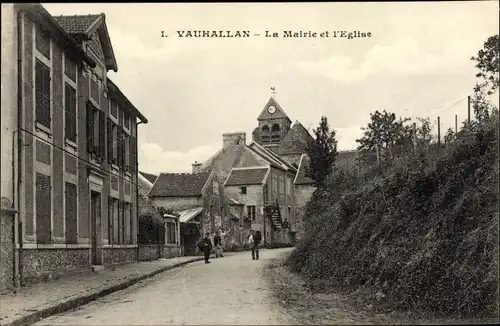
(119, 255)
(170, 251)
(302, 195)
(6, 250)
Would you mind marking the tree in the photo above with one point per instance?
(322, 152)
(386, 135)
(487, 61)
(449, 136)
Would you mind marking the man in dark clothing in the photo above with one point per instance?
(218, 245)
(254, 241)
(206, 247)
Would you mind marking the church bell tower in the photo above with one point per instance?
(274, 124)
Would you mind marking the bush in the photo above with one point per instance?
(423, 233)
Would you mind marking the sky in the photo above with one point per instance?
(192, 90)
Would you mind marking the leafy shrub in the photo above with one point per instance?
(423, 233)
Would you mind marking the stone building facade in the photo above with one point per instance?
(74, 152)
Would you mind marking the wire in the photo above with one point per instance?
(449, 107)
(76, 156)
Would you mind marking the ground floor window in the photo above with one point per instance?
(171, 233)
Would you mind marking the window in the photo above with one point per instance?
(126, 152)
(94, 90)
(70, 112)
(243, 190)
(282, 185)
(275, 128)
(114, 108)
(42, 41)
(289, 212)
(70, 68)
(127, 236)
(112, 141)
(290, 185)
(43, 209)
(265, 129)
(131, 221)
(126, 119)
(171, 233)
(42, 90)
(275, 185)
(71, 211)
(96, 131)
(115, 223)
(251, 212)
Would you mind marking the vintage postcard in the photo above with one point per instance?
(284, 163)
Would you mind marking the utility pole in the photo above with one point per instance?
(456, 124)
(378, 156)
(439, 131)
(414, 137)
(468, 109)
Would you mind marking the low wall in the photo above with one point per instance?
(6, 248)
(40, 265)
(111, 256)
(148, 252)
(170, 251)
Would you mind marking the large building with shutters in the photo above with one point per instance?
(74, 147)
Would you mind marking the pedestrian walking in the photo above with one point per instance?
(254, 240)
(205, 245)
(218, 245)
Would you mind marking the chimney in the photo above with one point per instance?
(196, 167)
(234, 138)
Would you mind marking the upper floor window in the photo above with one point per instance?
(126, 119)
(275, 128)
(42, 41)
(70, 69)
(251, 212)
(70, 112)
(113, 108)
(265, 129)
(96, 126)
(243, 190)
(95, 90)
(42, 94)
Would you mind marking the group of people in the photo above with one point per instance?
(205, 245)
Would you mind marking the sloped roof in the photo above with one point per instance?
(246, 176)
(78, 24)
(187, 215)
(272, 158)
(301, 178)
(280, 113)
(150, 177)
(37, 12)
(179, 184)
(295, 141)
(84, 26)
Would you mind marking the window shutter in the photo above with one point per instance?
(120, 146)
(133, 155)
(70, 112)
(43, 209)
(42, 90)
(90, 127)
(102, 134)
(110, 140)
(71, 211)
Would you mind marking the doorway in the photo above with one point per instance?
(95, 216)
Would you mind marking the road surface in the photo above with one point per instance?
(231, 290)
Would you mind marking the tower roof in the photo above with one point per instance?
(295, 141)
(265, 115)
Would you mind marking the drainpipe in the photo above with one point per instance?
(19, 158)
(137, 186)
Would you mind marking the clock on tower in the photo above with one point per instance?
(271, 109)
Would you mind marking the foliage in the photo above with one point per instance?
(322, 152)
(449, 136)
(385, 134)
(487, 61)
(151, 226)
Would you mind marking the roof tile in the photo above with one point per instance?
(150, 177)
(76, 24)
(295, 141)
(301, 178)
(241, 177)
(179, 184)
